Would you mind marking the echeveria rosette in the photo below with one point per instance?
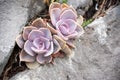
(37, 43)
(41, 41)
(64, 19)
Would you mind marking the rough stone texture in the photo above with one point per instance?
(97, 55)
(82, 5)
(35, 7)
(13, 16)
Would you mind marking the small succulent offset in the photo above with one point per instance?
(40, 40)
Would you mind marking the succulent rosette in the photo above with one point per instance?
(64, 19)
(67, 24)
(42, 40)
(37, 43)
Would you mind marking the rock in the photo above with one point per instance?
(78, 3)
(81, 5)
(35, 7)
(14, 14)
(97, 55)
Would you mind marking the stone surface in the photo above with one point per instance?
(13, 16)
(97, 55)
(81, 5)
(35, 7)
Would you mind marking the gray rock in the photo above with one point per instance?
(81, 5)
(97, 55)
(78, 3)
(35, 7)
(14, 14)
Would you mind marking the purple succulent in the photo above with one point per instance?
(64, 19)
(37, 43)
(41, 41)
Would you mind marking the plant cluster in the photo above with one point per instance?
(42, 40)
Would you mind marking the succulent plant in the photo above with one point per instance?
(64, 19)
(37, 43)
(42, 40)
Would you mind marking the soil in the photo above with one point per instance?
(13, 66)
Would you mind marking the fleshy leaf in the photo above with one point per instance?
(26, 57)
(20, 42)
(54, 5)
(42, 59)
(27, 30)
(61, 24)
(64, 6)
(39, 42)
(47, 44)
(65, 48)
(71, 24)
(39, 23)
(70, 43)
(61, 42)
(27, 48)
(54, 15)
(32, 65)
(73, 9)
(46, 32)
(35, 34)
(68, 14)
(50, 50)
(64, 29)
(80, 30)
(68, 23)
(50, 27)
(62, 36)
(39, 51)
(73, 35)
(57, 47)
(80, 20)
